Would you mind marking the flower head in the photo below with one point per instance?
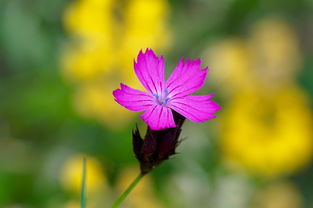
(164, 96)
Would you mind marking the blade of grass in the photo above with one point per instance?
(83, 189)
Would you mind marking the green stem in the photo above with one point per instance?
(83, 190)
(127, 191)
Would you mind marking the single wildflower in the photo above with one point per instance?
(164, 97)
(166, 105)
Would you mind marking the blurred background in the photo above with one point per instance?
(60, 61)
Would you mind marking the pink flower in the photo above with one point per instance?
(164, 96)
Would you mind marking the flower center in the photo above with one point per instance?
(162, 98)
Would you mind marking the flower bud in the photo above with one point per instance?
(156, 146)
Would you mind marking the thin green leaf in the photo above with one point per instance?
(83, 190)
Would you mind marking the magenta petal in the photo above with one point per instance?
(150, 71)
(197, 108)
(186, 78)
(132, 99)
(158, 117)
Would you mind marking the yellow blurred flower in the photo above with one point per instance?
(274, 50)
(89, 18)
(269, 55)
(278, 195)
(264, 131)
(106, 36)
(95, 101)
(231, 65)
(145, 24)
(71, 175)
(142, 195)
(91, 24)
(267, 120)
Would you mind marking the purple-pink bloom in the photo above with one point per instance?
(164, 96)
